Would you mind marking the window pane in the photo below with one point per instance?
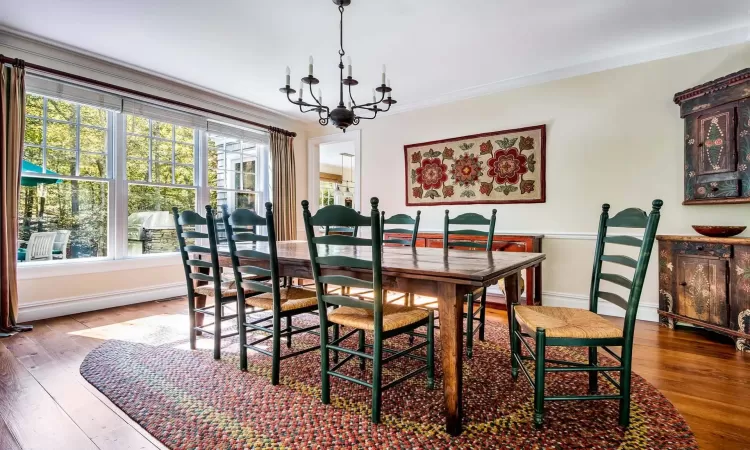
(34, 105)
(33, 155)
(75, 210)
(62, 162)
(137, 125)
(183, 175)
(249, 180)
(162, 151)
(249, 166)
(93, 116)
(162, 173)
(161, 130)
(184, 134)
(33, 132)
(137, 147)
(150, 220)
(61, 135)
(93, 140)
(232, 199)
(93, 165)
(61, 110)
(137, 170)
(184, 153)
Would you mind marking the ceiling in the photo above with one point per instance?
(433, 48)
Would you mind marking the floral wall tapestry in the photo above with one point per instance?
(499, 167)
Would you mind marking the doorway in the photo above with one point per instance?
(334, 171)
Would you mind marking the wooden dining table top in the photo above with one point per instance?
(479, 268)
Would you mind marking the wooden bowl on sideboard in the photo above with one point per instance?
(718, 230)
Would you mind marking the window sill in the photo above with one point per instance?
(46, 269)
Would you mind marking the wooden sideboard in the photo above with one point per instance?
(500, 243)
(705, 282)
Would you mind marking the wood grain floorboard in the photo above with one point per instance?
(700, 373)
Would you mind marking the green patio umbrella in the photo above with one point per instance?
(32, 181)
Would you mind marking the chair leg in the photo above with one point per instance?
(514, 344)
(539, 377)
(191, 310)
(625, 387)
(431, 351)
(483, 306)
(377, 368)
(325, 379)
(242, 334)
(217, 328)
(470, 326)
(593, 376)
(276, 351)
(361, 348)
(335, 337)
(289, 330)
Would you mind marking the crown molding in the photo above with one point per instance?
(692, 45)
(70, 58)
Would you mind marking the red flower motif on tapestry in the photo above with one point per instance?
(506, 166)
(432, 173)
(448, 153)
(467, 170)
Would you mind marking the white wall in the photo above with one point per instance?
(80, 286)
(613, 136)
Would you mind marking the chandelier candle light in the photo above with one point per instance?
(341, 116)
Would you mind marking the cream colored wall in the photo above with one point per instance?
(45, 292)
(613, 136)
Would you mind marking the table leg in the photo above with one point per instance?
(200, 300)
(530, 286)
(538, 284)
(450, 305)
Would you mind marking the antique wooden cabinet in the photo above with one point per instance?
(717, 140)
(705, 281)
(500, 243)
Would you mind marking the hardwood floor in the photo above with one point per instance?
(46, 404)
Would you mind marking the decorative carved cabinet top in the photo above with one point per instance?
(717, 140)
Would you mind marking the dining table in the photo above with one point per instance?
(447, 275)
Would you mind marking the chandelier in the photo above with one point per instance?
(342, 116)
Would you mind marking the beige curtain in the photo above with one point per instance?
(12, 111)
(283, 185)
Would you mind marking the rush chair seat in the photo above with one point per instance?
(472, 314)
(247, 249)
(224, 293)
(551, 326)
(345, 253)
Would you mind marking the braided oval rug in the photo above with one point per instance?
(188, 400)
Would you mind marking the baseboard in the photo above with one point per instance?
(28, 312)
(646, 311)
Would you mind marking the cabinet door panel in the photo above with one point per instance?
(743, 146)
(739, 308)
(702, 289)
(716, 146)
(507, 246)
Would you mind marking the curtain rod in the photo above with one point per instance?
(22, 63)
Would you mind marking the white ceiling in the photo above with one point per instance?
(433, 48)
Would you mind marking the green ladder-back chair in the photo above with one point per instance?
(471, 219)
(384, 320)
(572, 327)
(284, 302)
(223, 292)
(401, 219)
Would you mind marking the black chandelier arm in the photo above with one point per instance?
(354, 104)
(367, 105)
(314, 97)
(312, 107)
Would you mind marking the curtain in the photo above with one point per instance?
(283, 185)
(12, 111)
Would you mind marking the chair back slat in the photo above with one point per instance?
(201, 277)
(191, 218)
(340, 252)
(339, 239)
(343, 280)
(400, 219)
(197, 249)
(241, 227)
(469, 219)
(194, 235)
(628, 218)
(198, 263)
(345, 300)
(617, 279)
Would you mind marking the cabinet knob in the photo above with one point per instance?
(700, 144)
(714, 189)
(683, 283)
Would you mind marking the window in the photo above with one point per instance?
(160, 171)
(63, 207)
(326, 193)
(101, 173)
